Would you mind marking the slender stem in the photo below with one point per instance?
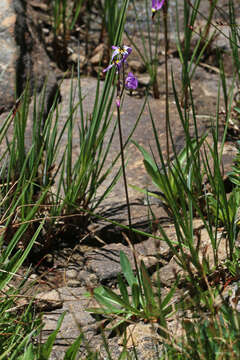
(167, 126)
(119, 95)
(124, 172)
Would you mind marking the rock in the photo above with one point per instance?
(74, 303)
(73, 283)
(144, 338)
(136, 65)
(40, 6)
(167, 274)
(144, 80)
(105, 262)
(10, 50)
(152, 250)
(71, 274)
(87, 278)
(206, 249)
(33, 276)
(75, 58)
(98, 54)
(230, 295)
(48, 301)
(22, 57)
(41, 72)
(71, 278)
(114, 204)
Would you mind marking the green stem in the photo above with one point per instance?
(131, 234)
(167, 126)
(124, 172)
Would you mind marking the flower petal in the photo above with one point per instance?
(157, 5)
(108, 68)
(131, 82)
(115, 53)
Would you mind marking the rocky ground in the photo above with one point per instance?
(94, 260)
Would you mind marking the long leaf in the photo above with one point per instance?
(72, 351)
(126, 269)
(46, 348)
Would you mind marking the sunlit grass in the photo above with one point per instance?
(39, 188)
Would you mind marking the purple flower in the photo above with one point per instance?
(121, 52)
(157, 5)
(119, 57)
(116, 63)
(131, 82)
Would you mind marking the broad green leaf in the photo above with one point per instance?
(136, 296)
(28, 354)
(156, 176)
(147, 286)
(126, 269)
(104, 310)
(106, 299)
(112, 297)
(237, 109)
(147, 157)
(123, 289)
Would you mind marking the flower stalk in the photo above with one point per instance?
(119, 62)
(123, 166)
(166, 49)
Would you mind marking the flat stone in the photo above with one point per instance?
(71, 274)
(48, 301)
(144, 79)
(75, 304)
(144, 338)
(22, 57)
(136, 65)
(73, 283)
(10, 52)
(167, 274)
(88, 279)
(105, 262)
(152, 249)
(98, 54)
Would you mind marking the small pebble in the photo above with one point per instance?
(87, 278)
(71, 274)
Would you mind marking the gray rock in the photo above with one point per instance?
(105, 262)
(87, 278)
(144, 79)
(136, 65)
(22, 57)
(144, 338)
(48, 301)
(71, 274)
(10, 50)
(74, 303)
(98, 54)
(167, 274)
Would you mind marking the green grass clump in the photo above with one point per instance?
(45, 192)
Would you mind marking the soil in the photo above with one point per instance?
(81, 260)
